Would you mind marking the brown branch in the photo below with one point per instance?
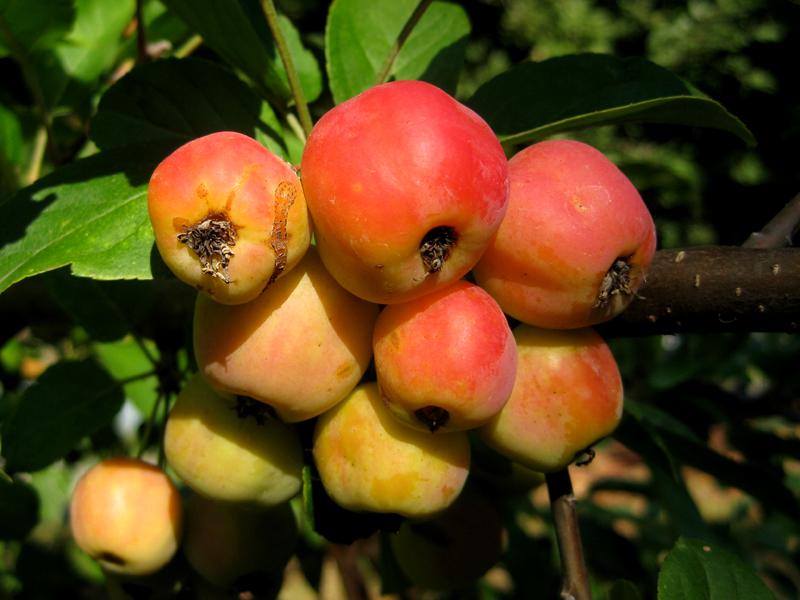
(575, 577)
(142, 55)
(780, 229)
(715, 289)
(345, 557)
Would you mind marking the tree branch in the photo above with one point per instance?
(575, 577)
(780, 229)
(715, 289)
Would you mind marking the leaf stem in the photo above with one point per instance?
(37, 156)
(268, 6)
(189, 46)
(386, 70)
(575, 577)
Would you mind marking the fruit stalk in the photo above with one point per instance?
(575, 577)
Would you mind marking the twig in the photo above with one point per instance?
(268, 6)
(142, 56)
(575, 577)
(386, 70)
(780, 229)
(345, 557)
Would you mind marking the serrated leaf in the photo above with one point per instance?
(71, 400)
(174, 101)
(19, 509)
(238, 32)
(29, 25)
(360, 33)
(694, 570)
(91, 214)
(535, 100)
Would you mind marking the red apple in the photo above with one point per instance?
(405, 186)
(446, 360)
(576, 242)
(229, 216)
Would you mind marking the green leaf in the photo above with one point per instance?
(69, 74)
(107, 310)
(125, 359)
(360, 33)
(91, 214)
(238, 32)
(19, 509)
(535, 100)
(29, 25)
(71, 400)
(699, 571)
(174, 101)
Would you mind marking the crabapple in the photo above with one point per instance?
(229, 216)
(225, 542)
(300, 347)
(405, 186)
(576, 241)
(369, 461)
(453, 549)
(230, 448)
(446, 360)
(567, 396)
(126, 514)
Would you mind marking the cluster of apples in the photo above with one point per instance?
(407, 192)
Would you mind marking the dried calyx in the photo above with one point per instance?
(211, 240)
(433, 417)
(616, 281)
(436, 247)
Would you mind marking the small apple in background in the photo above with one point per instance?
(405, 186)
(230, 448)
(576, 242)
(127, 515)
(445, 361)
(300, 347)
(455, 548)
(229, 216)
(567, 396)
(369, 461)
(227, 542)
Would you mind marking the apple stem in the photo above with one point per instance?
(575, 579)
(268, 7)
(386, 69)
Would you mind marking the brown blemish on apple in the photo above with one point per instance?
(285, 196)
(111, 558)
(436, 246)
(211, 239)
(344, 370)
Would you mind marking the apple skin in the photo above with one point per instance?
(127, 515)
(451, 349)
(455, 548)
(308, 334)
(225, 542)
(368, 461)
(567, 396)
(571, 215)
(230, 175)
(386, 167)
(224, 454)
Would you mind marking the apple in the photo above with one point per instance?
(127, 515)
(566, 397)
(576, 242)
(227, 542)
(369, 461)
(230, 448)
(445, 361)
(229, 216)
(455, 548)
(300, 347)
(405, 186)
